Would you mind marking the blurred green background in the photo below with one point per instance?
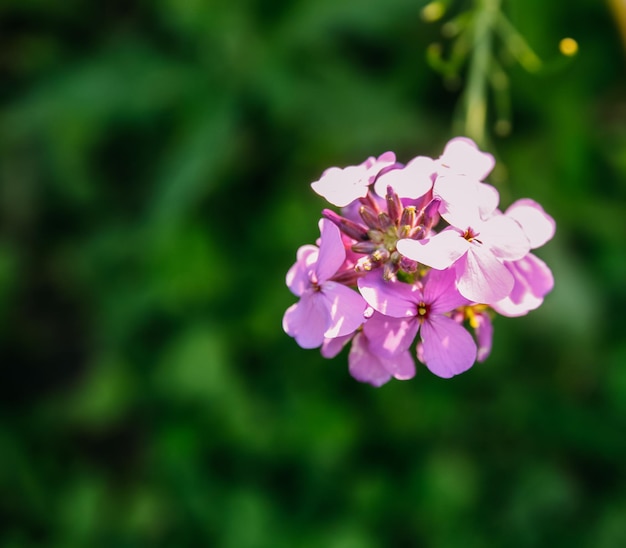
(155, 161)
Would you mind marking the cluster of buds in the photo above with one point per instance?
(419, 257)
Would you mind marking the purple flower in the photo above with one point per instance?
(326, 308)
(448, 349)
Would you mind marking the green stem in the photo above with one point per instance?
(478, 73)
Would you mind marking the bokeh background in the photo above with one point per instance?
(155, 161)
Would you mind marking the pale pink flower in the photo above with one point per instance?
(532, 277)
(326, 308)
(475, 243)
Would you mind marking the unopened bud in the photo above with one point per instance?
(347, 277)
(369, 217)
(431, 213)
(394, 206)
(384, 221)
(409, 216)
(408, 265)
(418, 233)
(365, 247)
(348, 227)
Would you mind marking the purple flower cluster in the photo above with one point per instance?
(420, 253)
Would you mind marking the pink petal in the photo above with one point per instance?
(332, 252)
(484, 336)
(365, 366)
(307, 320)
(465, 201)
(388, 336)
(504, 237)
(461, 155)
(402, 366)
(346, 308)
(533, 280)
(393, 298)
(538, 226)
(482, 278)
(440, 291)
(448, 349)
(332, 347)
(298, 277)
(439, 252)
(411, 181)
(342, 186)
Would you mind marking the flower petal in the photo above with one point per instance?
(391, 298)
(342, 186)
(439, 252)
(298, 277)
(461, 155)
(465, 201)
(484, 336)
(346, 308)
(402, 366)
(307, 320)
(332, 252)
(365, 366)
(538, 226)
(533, 280)
(332, 347)
(411, 181)
(440, 291)
(505, 238)
(448, 349)
(389, 336)
(482, 278)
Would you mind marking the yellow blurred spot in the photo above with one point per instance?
(568, 46)
(433, 11)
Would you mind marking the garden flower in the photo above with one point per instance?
(326, 308)
(532, 277)
(417, 253)
(448, 349)
(476, 247)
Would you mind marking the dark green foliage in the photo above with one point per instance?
(155, 161)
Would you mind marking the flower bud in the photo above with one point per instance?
(365, 247)
(369, 217)
(409, 216)
(431, 213)
(408, 265)
(394, 206)
(348, 227)
(384, 221)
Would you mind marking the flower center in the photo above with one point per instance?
(422, 310)
(471, 235)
